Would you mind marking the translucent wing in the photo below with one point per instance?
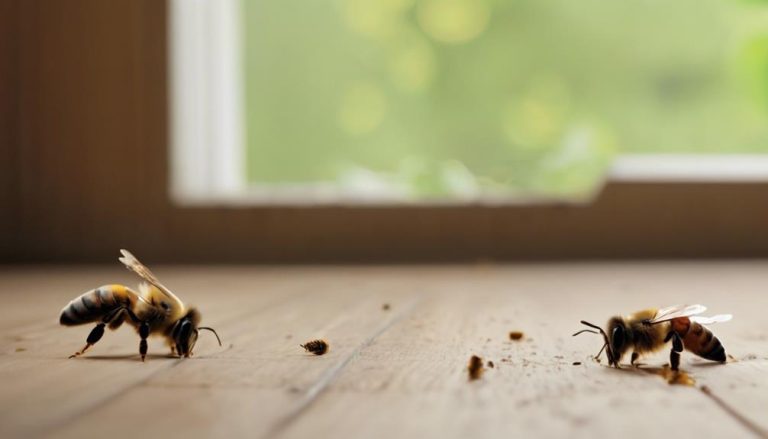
(676, 311)
(710, 320)
(133, 264)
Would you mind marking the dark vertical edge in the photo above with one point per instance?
(9, 116)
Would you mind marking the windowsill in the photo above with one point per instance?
(634, 169)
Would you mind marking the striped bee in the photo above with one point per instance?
(155, 310)
(649, 330)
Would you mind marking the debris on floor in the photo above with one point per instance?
(475, 368)
(673, 377)
(317, 347)
(515, 335)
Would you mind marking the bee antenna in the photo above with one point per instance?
(585, 330)
(212, 330)
(607, 346)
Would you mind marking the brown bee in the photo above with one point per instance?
(153, 311)
(475, 368)
(317, 347)
(649, 330)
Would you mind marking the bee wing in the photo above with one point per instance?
(673, 312)
(133, 264)
(711, 320)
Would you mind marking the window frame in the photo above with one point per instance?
(91, 175)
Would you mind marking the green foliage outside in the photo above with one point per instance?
(434, 99)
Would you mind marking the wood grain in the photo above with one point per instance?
(399, 372)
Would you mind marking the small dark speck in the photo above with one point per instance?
(385, 307)
(577, 363)
(294, 390)
(21, 349)
(288, 337)
(490, 364)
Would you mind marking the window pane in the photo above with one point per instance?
(428, 99)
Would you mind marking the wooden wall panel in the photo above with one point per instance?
(88, 167)
(9, 55)
(89, 160)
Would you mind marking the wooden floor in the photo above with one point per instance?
(390, 373)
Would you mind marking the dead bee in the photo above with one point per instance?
(515, 335)
(317, 347)
(475, 368)
(649, 330)
(155, 311)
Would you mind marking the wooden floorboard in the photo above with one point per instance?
(398, 372)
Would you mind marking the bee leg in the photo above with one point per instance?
(634, 358)
(677, 347)
(93, 337)
(143, 333)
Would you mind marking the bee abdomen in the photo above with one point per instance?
(702, 342)
(714, 350)
(93, 305)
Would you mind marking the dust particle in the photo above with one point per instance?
(515, 335)
(577, 363)
(21, 349)
(475, 368)
(385, 307)
(490, 364)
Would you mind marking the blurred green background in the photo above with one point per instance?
(436, 99)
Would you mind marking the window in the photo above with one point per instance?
(461, 100)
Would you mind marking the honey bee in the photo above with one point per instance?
(153, 311)
(649, 330)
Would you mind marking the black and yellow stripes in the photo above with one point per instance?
(95, 304)
(702, 342)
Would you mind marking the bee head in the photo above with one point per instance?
(618, 337)
(614, 341)
(186, 331)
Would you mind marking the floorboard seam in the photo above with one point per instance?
(331, 375)
(735, 414)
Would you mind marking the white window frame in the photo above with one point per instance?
(207, 132)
